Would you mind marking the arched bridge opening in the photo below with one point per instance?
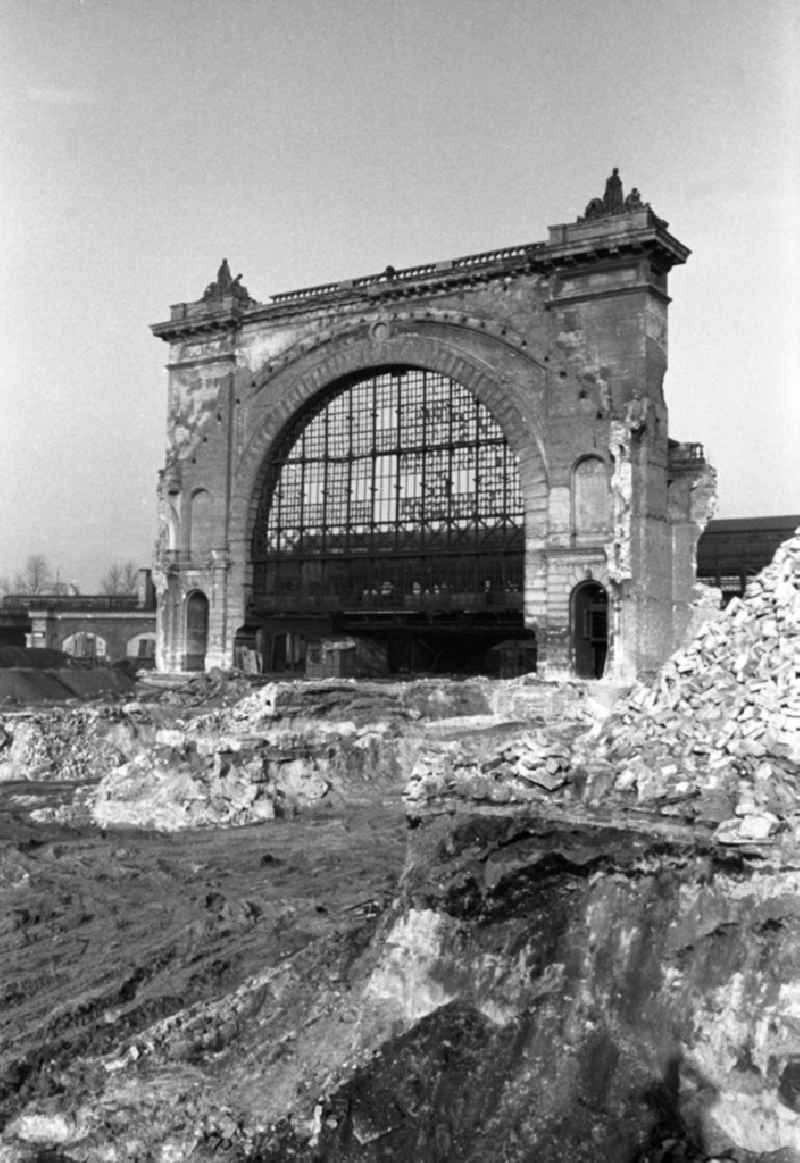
(390, 534)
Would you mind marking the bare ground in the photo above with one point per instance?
(104, 933)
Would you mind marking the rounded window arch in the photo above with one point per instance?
(201, 531)
(141, 647)
(395, 487)
(590, 496)
(85, 644)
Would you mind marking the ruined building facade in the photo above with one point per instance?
(464, 465)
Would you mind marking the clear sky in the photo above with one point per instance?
(314, 140)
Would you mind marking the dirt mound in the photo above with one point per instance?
(165, 949)
(28, 686)
(34, 657)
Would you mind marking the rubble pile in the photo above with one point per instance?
(716, 739)
(360, 701)
(75, 744)
(528, 767)
(721, 726)
(171, 760)
(174, 787)
(194, 778)
(220, 750)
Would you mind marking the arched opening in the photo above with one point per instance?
(141, 649)
(391, 513)
(591, 497)
(201, 527)
(84, 644)
(589, 629)
(196, 631)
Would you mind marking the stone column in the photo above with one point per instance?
(219, 651)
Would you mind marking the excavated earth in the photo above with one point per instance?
(106, 936)
(174, 986)
(576, 937)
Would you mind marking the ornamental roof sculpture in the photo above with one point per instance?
(613, 201)
(225, 285)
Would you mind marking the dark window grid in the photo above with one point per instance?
(318, 441)
(409, 577)
(421, 446)
(398, 457)
(459, 490)
(436, 400)
(499, 540)
(453, 417)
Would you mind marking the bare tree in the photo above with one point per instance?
(130, 578)
(119, 578)
(111, 581)
(36, 578)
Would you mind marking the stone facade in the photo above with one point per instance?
(564, 342)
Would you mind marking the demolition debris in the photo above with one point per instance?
(715, 740)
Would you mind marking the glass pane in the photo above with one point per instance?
(389, 492)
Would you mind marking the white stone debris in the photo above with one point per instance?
(715, 738)
(721, 724)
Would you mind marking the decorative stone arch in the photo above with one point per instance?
(455, 327)
(280, 393)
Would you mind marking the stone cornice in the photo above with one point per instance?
(201, 318)
(222, 357)
(607, 293)
(594, 552)
(576, 245)
(52, 612)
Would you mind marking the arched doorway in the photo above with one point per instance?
(589, 629)
(196, 631)
(84, 644)
(392, 512)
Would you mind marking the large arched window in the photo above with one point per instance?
(397, 488)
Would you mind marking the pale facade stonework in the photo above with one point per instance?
(564, 341)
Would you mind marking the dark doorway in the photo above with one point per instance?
(589, 609)
(196, 631)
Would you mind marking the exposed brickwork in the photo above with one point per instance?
(565, 344)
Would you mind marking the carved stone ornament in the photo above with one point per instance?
(170, 475)
(380, 329)
(225, 285)
(613, 201)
